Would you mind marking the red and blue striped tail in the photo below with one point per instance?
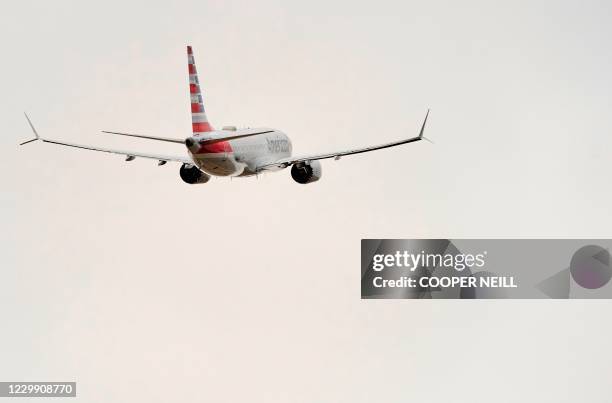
(199, 121)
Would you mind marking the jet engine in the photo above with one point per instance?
(192, 175)
(306, 172)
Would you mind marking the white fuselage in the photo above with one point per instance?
(242, 156)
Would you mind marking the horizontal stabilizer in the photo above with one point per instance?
(226, 138)
(147, 137)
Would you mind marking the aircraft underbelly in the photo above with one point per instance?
(220, 165)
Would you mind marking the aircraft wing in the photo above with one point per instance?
(284, 163)
(129, 154)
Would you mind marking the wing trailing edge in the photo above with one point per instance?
(142, 136)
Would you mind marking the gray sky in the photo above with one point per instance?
(142, 288)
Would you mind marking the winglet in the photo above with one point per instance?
(421, 137)
(423, 127)
(37, 137)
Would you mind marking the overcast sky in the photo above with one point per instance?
(142, 288)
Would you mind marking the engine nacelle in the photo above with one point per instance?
(306, 172)
(192, 175)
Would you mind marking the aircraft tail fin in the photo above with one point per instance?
(199, 121)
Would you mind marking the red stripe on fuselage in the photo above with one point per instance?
(197, 108)
(215, 148)
(192, 69)
(194, 89)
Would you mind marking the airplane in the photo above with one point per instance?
(230, 152)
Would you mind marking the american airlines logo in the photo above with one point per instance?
(279, 145)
